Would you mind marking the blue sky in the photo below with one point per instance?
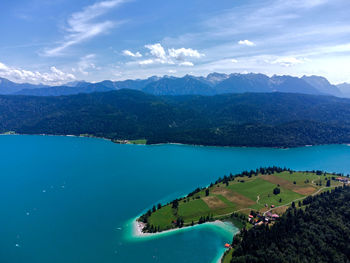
(56, 41)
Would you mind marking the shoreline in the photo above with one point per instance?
(136, 228)
(226, 228)
(175, 143)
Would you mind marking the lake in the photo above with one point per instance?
(68, 199)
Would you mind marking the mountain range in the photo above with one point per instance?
(213, 84)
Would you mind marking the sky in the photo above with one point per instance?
(57, 41)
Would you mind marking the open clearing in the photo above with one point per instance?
(213, 202)
(232, 196)
(243, 194)
(300, 189)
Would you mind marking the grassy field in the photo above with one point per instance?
(162, 218)
(227, 258)
(141, 141)
(243, 194)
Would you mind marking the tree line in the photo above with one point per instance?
(281, 120)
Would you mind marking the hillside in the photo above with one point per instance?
(187, 85)
(251, 119)
(323, 85)
(266, 189)
(64, 90)
(345, 89)
(10, 87)
(318, 233)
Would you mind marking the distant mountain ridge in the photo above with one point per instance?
(10, 87)
(344, 89)
(213, 84)
(63, 90)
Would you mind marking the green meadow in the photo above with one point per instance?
(242, 194)
(140, 141)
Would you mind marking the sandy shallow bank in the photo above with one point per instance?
(138, 226)
(226, 228)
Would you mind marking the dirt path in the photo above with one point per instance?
(257, 199)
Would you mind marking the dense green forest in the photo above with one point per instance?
(319, 232)
(249, 119)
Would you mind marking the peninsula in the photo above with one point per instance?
(250, 198)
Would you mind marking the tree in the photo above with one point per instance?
(253, 213)
(328, 183)
(207, 192)
(276, 191)
(175, 204)
(180, 222)
(159, 206)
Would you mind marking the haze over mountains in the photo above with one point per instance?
(213, 84)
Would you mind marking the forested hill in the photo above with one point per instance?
(249, 119)
(320, 233)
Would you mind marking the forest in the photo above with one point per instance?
(317, 232)
(249, 119)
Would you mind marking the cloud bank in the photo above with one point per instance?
(158, 55)
(53, 77)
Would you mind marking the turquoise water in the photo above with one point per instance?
(66, 199)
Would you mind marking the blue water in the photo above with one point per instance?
(66, 199)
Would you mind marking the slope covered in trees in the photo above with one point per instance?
(250, 119)
(319, 233)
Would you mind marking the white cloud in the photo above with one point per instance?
(146, 62)
(81, 25)
(3, 67)
(53, 77)
(85, 63)
(183, 53)
(131, 54)
(187, 64)
(287, 61)
(246, 43)
(158, 51)
(234, 60)
(158, 55)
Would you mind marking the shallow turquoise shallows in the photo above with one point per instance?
(71, 200)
